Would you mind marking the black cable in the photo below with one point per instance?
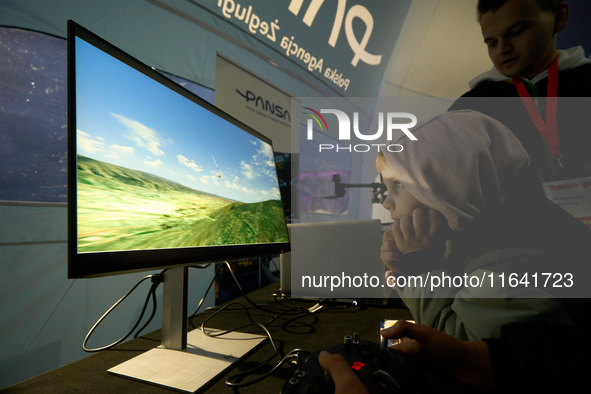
(224, 332)
(282, 310)
(231, 381)
(155, 284)
(289, 355)
(241, 375)
(158, 278)
(243, 293)
(154, 307)
(206, 291)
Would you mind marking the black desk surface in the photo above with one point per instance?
(320, 330)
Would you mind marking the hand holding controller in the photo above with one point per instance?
(379, 369)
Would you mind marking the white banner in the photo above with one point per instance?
(255, 102)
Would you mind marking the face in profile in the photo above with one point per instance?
(399, 200)
(520, 37)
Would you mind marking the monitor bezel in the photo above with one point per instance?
(93, 264)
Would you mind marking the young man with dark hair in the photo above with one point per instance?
(521, 39)
(485, 6)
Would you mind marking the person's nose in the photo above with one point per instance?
(504, 46)
(389, 203)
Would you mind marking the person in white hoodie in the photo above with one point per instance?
(528, 69)
(461, 212)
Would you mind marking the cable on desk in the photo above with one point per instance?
(235, 380)
(282, 310)
(156, 280)
(258, 306)
(242, 375)
(297, 310)
(252, 322)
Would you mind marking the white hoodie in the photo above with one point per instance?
(459, 164)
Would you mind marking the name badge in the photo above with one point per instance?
(570, 189)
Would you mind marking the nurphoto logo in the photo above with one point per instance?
(344, 131)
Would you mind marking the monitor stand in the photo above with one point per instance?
(185, 361)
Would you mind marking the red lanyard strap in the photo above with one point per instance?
(548, 129)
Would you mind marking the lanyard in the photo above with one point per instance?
(548, 129)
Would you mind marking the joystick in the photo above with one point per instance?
(381, 369)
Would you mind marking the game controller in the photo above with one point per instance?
(381, 369)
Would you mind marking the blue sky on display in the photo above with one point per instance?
(127, 119)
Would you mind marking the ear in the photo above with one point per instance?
(561, 18)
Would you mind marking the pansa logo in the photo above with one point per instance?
(392, 120)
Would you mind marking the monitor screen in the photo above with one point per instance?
(158, 177)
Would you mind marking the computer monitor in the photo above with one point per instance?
(159, 178)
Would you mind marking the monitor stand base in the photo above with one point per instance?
(188, 370)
